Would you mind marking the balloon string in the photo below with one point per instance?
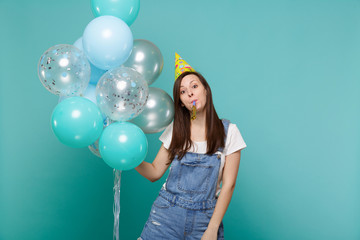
(116, 205)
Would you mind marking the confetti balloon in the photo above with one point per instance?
(158, 112)
(121, 93)
(64, 70)
(123, 145)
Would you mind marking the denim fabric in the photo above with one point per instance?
(184, 209)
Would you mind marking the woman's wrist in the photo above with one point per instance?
(213, 226)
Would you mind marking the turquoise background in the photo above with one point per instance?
(286, 72)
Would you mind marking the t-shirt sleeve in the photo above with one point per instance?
(166, 136)
(234, 140)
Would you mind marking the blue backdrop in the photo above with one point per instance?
(285, 71)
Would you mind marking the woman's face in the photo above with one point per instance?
(192, 89)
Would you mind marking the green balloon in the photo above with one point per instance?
(126, 10)
(123, 145)
(77, 122)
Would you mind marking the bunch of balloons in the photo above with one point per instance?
(102, 80)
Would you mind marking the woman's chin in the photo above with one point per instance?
(200, 110)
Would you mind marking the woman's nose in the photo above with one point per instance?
(190, 94)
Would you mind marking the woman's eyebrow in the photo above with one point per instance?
(190, 82)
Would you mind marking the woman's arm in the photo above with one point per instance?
(231, 168)
(155, 170)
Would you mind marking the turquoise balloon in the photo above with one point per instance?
(123, 145)
(126, 10)
(77, 122)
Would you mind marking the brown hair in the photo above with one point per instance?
(181, 142)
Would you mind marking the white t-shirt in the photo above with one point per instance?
(234, 142)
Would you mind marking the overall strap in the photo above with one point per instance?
(226, 124)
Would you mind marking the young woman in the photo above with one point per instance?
(203, 153)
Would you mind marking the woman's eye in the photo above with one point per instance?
(195, 86)
(182, 92)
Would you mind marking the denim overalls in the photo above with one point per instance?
(183, 210)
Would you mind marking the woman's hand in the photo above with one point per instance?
(210, 234)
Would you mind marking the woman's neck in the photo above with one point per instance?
(198, 128)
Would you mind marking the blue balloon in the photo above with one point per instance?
(96, 73)
(77, 122)
(107, 42)
(126, 10)
(78, 44)
(90, 93)
(123, 145)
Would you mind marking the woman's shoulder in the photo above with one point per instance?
(170, 126)
(232, 129)
(231, 125)
(234, 139)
